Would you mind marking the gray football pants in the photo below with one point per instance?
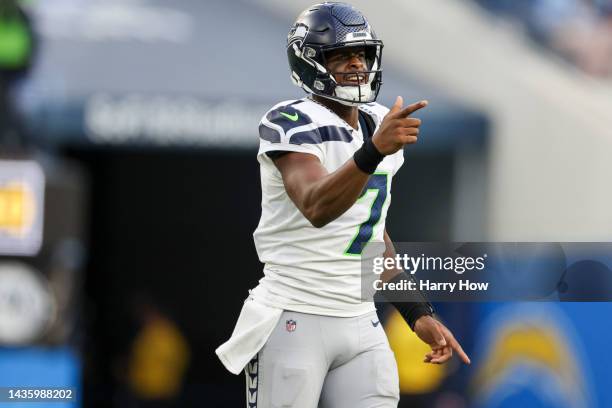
(314, 361)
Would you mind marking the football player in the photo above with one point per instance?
(305, 335)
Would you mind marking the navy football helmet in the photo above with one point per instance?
(326, 27)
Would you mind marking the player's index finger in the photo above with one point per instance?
(455, 344)
(412, 108)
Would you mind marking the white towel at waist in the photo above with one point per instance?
(252, 330)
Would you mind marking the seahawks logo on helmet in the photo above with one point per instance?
(327, 27)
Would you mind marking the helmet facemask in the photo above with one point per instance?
(368, 80)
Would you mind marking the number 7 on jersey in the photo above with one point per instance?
(378, 183)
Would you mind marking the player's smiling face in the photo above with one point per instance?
(347, 65)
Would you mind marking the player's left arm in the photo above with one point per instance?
(429, 329)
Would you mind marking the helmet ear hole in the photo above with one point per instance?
(309, 52)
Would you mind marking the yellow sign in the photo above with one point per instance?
(22, 190)
(16, 209)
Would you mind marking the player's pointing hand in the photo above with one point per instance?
(440, 339)
(398, 128)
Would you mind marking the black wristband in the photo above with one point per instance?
(367, 158)
(411, 311)
(404, 302)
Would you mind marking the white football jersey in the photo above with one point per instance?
(308, 269)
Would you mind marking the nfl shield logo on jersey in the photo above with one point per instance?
(291, 324)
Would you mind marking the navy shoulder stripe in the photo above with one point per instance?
(335, 134)
(322, 134)
(269, 134)
(287, 117)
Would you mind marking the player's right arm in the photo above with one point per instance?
(322, 196)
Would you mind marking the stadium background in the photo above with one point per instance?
(129, 189)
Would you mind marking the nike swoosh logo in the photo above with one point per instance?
(375, 323)
(293, 117)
